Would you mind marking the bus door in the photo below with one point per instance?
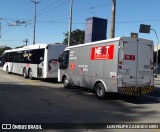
(40, 62)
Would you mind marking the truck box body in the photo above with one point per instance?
(123, 65)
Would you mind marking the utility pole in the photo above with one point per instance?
(26, 41)
(34, 32)
(0, 29)
(112, 31)
(70, 23)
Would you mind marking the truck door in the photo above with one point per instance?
(137, 64)
(129, 64)
(145, 64)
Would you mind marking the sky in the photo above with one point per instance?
(17, 19)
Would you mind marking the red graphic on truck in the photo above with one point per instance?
(72, 66)
(129, 57)
(102, 52)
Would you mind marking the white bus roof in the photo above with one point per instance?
(111, 40)
(36, 46)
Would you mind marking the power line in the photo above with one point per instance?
(59, 3)
(42, 9)
(23, 19)
(136, 21)
(118, 22)
(63, 22)
(49, 6)
(13, 19)
(10, 40)
(106, 4)
(54, 8)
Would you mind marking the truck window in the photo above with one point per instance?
(64, 60)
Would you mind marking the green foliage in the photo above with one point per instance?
(77, 37)
(2, 49)
(19, 47)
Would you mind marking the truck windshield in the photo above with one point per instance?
(64, 60)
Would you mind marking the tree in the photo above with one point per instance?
(19, 47)
(2, 49)
(77, 37)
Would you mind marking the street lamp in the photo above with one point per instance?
(157, 52)
(146, 29)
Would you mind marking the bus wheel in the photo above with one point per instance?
(7, 70)
(24, 73)
(65, 82)
(30, 74)
(100, 91)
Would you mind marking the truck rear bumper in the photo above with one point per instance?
(136, 90)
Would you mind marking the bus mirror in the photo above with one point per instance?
(60, 58)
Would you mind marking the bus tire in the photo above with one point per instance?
(30, 74)
(100, 91)
(7, 70)
(25, 73)
(65, 82)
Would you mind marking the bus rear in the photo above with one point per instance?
(135, 66)
(52, 56)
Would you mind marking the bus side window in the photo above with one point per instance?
(20, 58)
(64, 60)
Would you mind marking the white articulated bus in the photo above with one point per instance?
(34, 61)
(123, 65)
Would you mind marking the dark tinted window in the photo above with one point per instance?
(64, 60)
(35, 56)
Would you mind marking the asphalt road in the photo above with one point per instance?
(46, 101)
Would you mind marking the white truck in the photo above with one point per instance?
(123, 65)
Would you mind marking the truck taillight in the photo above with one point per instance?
(151, 65)
(120, 64)
(120, 67)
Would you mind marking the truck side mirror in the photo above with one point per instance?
(60, 58)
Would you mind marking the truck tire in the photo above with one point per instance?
(100, 91)
(65, 82)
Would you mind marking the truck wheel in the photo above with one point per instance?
(100, 91)
(65, 82)
(24, 73)
(30, 74)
